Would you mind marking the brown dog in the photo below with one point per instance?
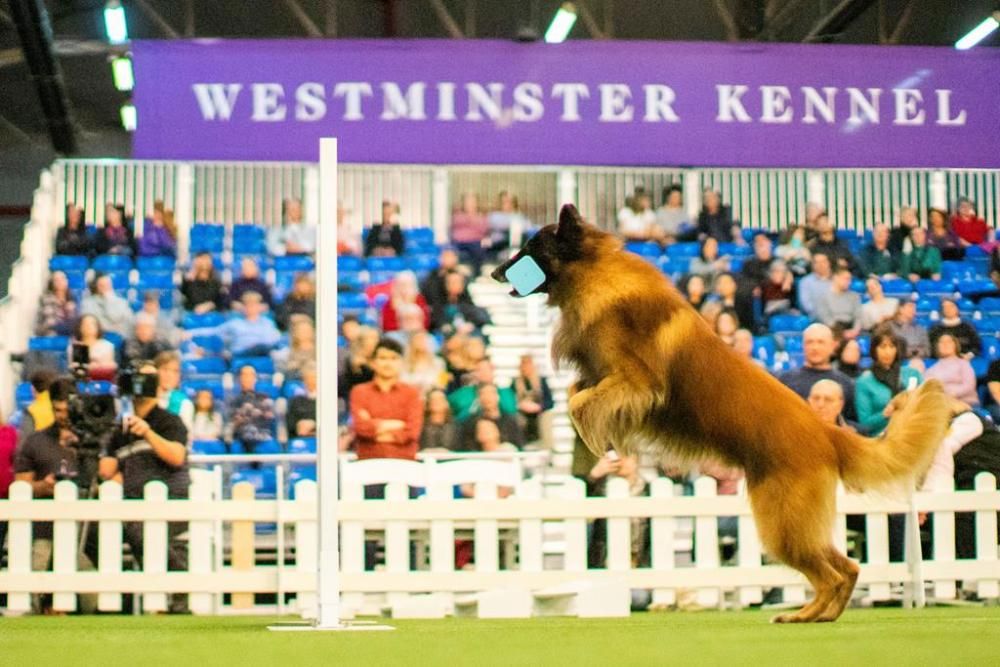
(649, 366)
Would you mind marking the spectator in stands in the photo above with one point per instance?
(715, 218)
(533, 397)
(207, 423)
(439, 431)
(504, 221)
(115, 237)
(879, 307)
(47, 457)
(848, 358)
(922, 260)
(159, 234)
(693, 289)
(301, 417)
(201, 288)
(756, 269)
(421, 367)
(487, 406)
(154, 448)
(8, 446)
(301, 301)
(967, 225)
(840, 306)
(726, 294)
(672, 220)
(385, 238)
(89, 334)
(358, 368)
(251, 413)
(294, 236)
(249, 281)
(818, 345)
(816, 285)
(463, 400)
(887, 377)
(347, 240)
(811, 224)
(776, 292)
(726, 325)
(458, 365)
(793, 251)
(73, 237)
(955, 373)
(951, 323)
(827, 243)
(905, 327)
(743, 345)
(992, 381)
(301, 350)
(470, 231)
(170, 397)
(144, 344)
(636, 219)
(404, 294)
(826, 398)
(875, 258)
(903, 232)
(253, 335)
(38, 414)
(607, 467)
(941, 236)
(708, 264)
(433, 285)
(166, 327)
(387, 414)
(111, 310)
(458, 312)
(57, 309)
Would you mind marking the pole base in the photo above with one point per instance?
(343, 626)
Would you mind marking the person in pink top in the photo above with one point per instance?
(954, 372)
(8, 444)
(966, 223)
(470, 231)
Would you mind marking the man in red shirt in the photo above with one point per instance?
(966, 223)
(387, 414)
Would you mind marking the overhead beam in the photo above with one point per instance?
(304, 20)
(330, 18)
(732, 32)
(150, 11)
(588, 20)
(840, 17)
(903, 23)
(189, 18)
(470, 18)
(449, 23)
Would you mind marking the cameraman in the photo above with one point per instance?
(48, 456)
(149, 446)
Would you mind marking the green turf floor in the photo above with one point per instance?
(935, 636)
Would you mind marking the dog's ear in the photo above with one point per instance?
(570, 229)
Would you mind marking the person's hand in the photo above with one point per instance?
(48, 485)
(67, 438)
(787, 283)
(914, 277)
(364, 414)
(888, 410)
(385, 437)
(203, 308)
(138, 427)
(921, 518)
(485, 243)
(305, 427)
(530, 407)
(505, 491)
(393, 424)
(604, 467)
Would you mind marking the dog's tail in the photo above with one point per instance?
(904, 451)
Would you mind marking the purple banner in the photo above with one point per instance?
(577, 103)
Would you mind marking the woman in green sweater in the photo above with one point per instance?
(887, 377)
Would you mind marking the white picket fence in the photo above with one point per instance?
(533, 542)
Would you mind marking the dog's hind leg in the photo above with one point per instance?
(848, 569)
(607, 413)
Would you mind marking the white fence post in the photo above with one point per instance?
(939, 190)
(397, 540)
(440, 205)
(184, 210)
(662, 540)
(575, 529)
(566, 187)
(109, 547)
(748, 554)
(706, 541)
(306, 545)
(877, 545)
(486, 532)
(619, 530)
(200, 544)
(944, 552)
(986, 537)
(816, 188)
(692, 193)
(154, 547)
(19, 548)
(530, 530)
(64, 546)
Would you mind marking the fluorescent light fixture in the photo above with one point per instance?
(978, 34)
(129, 117)
(561, 24)
(114, 22)
(121, 69)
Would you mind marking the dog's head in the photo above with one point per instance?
(552, 248)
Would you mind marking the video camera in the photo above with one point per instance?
(93, 410)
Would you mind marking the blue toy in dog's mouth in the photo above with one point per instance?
(525, 275)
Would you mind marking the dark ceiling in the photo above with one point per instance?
(94, 102)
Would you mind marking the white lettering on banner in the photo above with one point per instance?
(310, 102)
(479, 101)
(528, 105)
(823, 105)
(571, 94)
(908, 111)
(944, 109)
(396, 105)
(775, 104)
(446, 101)
(615, 107)
(216, 100)
(861, 104)
(730, 106)
(267, 104)
(659, 99)
(352, 91)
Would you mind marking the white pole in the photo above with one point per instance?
(328, 576)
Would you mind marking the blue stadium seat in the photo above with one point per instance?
(111, 263)
(293, 388)
(120, 280)
(116, 339)
(791, 343)
(350, 263)
(987, 326)
(294, 263)
(990, 305)
(263, 481)
(418, 236)
(24, 395)
(958, 270)
(380, 277)
(208, 447)
(299, 474)
(644, 249)
(248, 230)
(686, 249)
(67, 263)
(48, 344)
(209, 344)
(927, 305)
(422, 264)
(351, 281)
(283, 283)
(391, 264)
(975, 286)
(935, 288)
(262, 261)
(214, 385)
(159, 264)
(302, 446)
(205, 366)
(77, 280)
(991, 347)
(788, 323)
(263, 365)
(201, 321)
(349, 301)
(267, 388)
(980, 365)
(763, 348)
(858, 285)
(897, 287)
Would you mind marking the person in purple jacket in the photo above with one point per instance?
(159, 234)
